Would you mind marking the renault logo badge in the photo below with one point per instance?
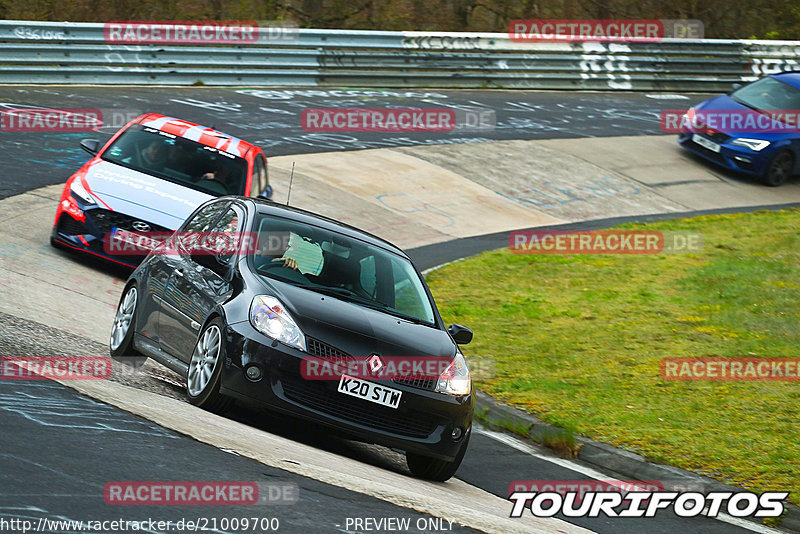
(375, 364)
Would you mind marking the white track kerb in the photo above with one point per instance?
(432, 194)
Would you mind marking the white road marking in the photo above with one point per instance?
(668, 97)
(597, 475)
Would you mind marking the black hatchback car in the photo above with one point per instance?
(298, 287)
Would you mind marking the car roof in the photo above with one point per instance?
(300, 215)
(792, 78)
(195, 132)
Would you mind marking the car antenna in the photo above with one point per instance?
(291, 177)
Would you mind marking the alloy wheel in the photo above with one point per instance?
(204, 360)
(123, 319)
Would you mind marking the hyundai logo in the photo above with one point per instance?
(375, 364)
(140, 226)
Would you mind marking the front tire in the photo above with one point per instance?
(779, 169)
(205, 368)
(434, 469)
(120, 344)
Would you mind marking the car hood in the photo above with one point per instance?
(358, 330)
(726, 103)
(142, 196)
(723, 102)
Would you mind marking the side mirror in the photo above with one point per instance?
(734, 87)
(90, 145)
(266, 194)
(461, 334)
(209, 259)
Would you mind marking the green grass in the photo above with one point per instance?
(577, 340)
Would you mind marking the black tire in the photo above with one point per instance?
(434, 469)
(122, 350)
(205, 393)
(779, 169)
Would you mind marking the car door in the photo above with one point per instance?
(161, 265)
(196, 289)
(172, 319)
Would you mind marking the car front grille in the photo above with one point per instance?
(428, 384)
(106, 220)
(718, 137)
(716, 156)
(323, 350)
(314, 395)
(69, 226)
(334, 355)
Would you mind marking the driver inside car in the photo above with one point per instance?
(221, 174)
(293, 251)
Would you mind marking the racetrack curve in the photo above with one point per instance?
(426, 196)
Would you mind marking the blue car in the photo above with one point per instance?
(772, 154)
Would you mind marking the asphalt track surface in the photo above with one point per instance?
(60, 449)
(57, 467)
(271, 119)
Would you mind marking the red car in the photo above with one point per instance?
(150, 176)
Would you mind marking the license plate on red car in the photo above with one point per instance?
(370, 391)
(132, 240)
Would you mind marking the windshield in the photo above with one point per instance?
(333, 264)
(179, 160)
(768, 94)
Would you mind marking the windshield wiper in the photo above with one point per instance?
(341, 292)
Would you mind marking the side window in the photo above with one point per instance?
(409, 298)
(203, 219)
(259, 176)
(228, 223)
(225, 231)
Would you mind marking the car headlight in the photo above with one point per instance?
(268, 316)
(77, 190)
(753, 144)
(455, 379)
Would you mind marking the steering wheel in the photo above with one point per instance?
(285, 272)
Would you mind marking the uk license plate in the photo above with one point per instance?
(370, 391)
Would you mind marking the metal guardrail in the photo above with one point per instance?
(77, 53)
